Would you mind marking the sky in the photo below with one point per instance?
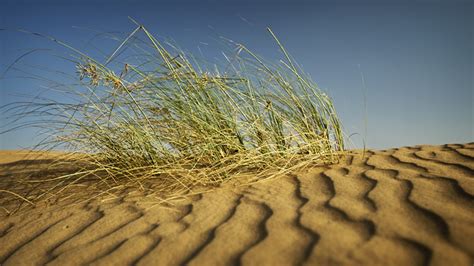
(400, 72)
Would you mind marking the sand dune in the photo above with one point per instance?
(405, 206)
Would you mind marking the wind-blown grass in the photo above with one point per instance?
(166, 122)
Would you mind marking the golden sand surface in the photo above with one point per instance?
(403, 206)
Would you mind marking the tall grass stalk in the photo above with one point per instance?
(166, 122)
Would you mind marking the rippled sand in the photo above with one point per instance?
(405, 206)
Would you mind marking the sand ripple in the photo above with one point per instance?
(405, 206)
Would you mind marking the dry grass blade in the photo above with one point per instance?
(165, 125)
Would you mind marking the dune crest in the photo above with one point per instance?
(404, 206)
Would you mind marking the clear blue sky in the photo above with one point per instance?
(416, 56)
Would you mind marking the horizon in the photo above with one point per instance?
(416, 60)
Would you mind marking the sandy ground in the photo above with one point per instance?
(405, 206)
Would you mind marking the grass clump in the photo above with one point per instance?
(164, 121)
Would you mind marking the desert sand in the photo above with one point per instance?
(404, 206)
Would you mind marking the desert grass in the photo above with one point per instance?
(160, 122)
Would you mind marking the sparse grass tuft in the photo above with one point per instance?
(166, 124)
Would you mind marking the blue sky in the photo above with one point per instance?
(416, 57)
